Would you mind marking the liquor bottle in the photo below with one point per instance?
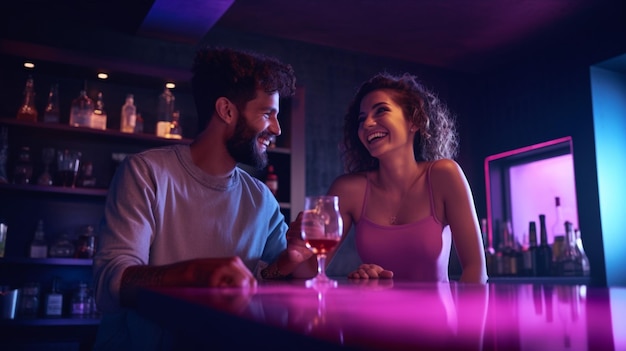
(29, 300)
(271, 180)
(510, 251)
(498, 258)
(165, 110)
(530, 256)
(525, 262)
(86, 243)
(81, 110)
(23, 169)
(98, 118)
(39, 246)
(27, 111)
(52, 114)
(86, 179)
(584, 260)
(129, 115)
(81, 301)
(557, 250)
(488, 246)
(62, 247)
(544, 252)
(139, 124)
(570, 261)
(175, 131)
(54, 300)
(559, 220)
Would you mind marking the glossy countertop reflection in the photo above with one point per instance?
(389, 315)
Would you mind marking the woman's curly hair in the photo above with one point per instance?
(236, 75)
(437, 137)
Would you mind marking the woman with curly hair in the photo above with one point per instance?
(406, 196)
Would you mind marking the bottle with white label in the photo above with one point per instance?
(54, 300)
(129, 115)
(39, 246)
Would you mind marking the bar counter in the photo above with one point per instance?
(390, 315)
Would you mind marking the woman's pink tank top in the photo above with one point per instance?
(417, 251)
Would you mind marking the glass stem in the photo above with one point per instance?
(321, 266)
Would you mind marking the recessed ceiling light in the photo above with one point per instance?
(170, 85)
(28, 64)
(103, 75)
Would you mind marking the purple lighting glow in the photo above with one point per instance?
(523, 183)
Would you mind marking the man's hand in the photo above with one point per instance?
(202, 272)
(296, 248)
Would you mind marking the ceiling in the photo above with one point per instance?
(455, 34)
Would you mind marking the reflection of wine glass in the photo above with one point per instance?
(321, 230)
(47, 156)
(322, 325)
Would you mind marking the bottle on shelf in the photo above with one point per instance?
(511, 253)
(81, 300)
(139, 124)
(544, 251)
(39, 246)
(47, 157)
(584, 260)
(28, 111)
(86, 243)
(165, 110)
(559, 220)
(128, 115)
(98, 118)
(175, 131)
(62, 247)
(86, 179)
(498, 258)
(488, 246)
(530, 255)
(557, 250)
(52, 114)
(81, 110)
(54, 300)
(23, 170)
(271, 180)
(29, 300)
(570, 260)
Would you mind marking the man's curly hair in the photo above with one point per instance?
(437, 137)
(236, 75)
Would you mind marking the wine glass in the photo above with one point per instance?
(321, 230)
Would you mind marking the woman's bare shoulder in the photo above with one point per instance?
(348, 183)
(444, 168)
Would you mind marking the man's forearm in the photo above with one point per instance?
(135, 277)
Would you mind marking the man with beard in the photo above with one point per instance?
(186, 215)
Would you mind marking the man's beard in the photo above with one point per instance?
(242, 146)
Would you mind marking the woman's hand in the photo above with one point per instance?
(373, 271)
